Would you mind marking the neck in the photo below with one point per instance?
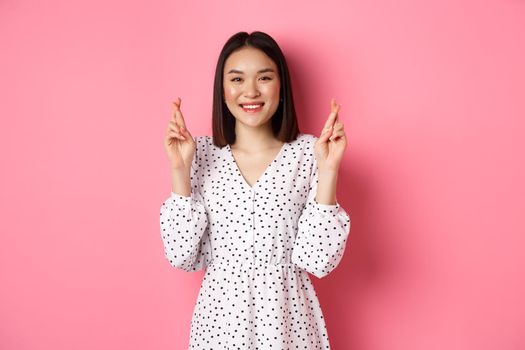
(254, 139)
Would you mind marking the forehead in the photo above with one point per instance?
(248, 59)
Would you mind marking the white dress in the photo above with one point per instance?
(257, 245)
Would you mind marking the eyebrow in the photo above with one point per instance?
(235, 71)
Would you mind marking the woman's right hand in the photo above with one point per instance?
(178, 143)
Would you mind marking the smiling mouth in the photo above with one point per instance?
(252, 108)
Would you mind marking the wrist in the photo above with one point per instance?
(328, 173)
(180, 170)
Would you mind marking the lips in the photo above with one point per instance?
(252, 107)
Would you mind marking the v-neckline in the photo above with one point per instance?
(238, 170)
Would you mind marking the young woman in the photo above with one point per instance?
(255, 205)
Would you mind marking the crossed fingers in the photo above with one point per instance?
(333, 122)
(176, 124)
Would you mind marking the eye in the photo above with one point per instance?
(235, 79)
(266, 78)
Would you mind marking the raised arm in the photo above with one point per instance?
(324, 225)
(183, 216)
(322, 233)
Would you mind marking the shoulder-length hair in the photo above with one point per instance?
(284, 121)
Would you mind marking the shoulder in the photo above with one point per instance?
(201, 139)
(203, 142)
(308, 138)
(205, 148)
(201, 149)
(306, 142)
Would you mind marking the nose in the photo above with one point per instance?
(251, 90)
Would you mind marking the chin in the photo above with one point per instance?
(253, 122)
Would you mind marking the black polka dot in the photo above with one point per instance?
(257, 244)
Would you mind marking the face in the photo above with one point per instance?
(251, 86)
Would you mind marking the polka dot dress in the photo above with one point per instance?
(257, 243)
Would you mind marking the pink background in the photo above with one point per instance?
(432, 96)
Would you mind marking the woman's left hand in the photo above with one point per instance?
(331, 145)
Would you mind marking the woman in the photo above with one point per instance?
(256, 206)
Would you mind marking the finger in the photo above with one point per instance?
(177, 102)
(173, 127)
(338, 134)
(182, 130)
(177, 114)
(336, 107)
(175, 130)
(338, 126)
(333, 114)
(325, 135)
(176, 105)
(174, 134)
(335, 104)
(185, 132)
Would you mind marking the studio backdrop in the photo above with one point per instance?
(432, 99)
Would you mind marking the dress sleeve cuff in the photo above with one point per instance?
(181, 200)
(324, 209)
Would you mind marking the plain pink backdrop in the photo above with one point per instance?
(432, 96)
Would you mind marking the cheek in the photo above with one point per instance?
(273, 90)
(229, 93)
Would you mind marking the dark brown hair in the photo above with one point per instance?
(284, 121)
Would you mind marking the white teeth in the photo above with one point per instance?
(251, 106)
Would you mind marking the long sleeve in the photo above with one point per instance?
(322, 233)
(183, 224)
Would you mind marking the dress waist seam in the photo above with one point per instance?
(249, 263)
